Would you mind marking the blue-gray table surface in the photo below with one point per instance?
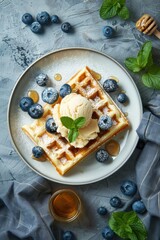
(19, 47)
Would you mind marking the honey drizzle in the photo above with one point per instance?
(114, 78)
(112, 147)
(58, 77)
(34, 95)
(96, 75)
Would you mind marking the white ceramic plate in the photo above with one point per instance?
(67, 62)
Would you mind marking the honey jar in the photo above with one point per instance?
(65, 205)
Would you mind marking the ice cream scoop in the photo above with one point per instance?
(74, 106)
(147, 25)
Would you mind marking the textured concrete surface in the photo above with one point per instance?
(19, 47)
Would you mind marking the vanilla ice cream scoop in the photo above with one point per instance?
(74, 106)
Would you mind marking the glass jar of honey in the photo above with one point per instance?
(65, 205)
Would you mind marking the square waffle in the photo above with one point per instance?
(57, 149)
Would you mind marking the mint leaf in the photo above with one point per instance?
(124, 13)
(122, 2)
(151, 79)
(117, 224)
(131, 64)
(132, 236)
(68, 122)
(150, 60)
(127, 225)
(72, 135)
(144, 60)
(139, 229)
(128, 229)
(73, 125)
(144, 54)
(109, 9)
(79, 122)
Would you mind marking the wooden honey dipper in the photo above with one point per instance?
(147, 25)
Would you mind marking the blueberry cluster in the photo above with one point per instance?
(128, 188)
(42, 19)
(49, 95)
(35, 110)
(111, 85)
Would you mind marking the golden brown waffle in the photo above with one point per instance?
(58, 150)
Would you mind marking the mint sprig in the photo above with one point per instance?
(73, 126)
(144, 62)
(112, 8)
(128, 225)
(152, 77)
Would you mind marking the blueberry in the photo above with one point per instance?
(36, 27)
(108, 31)
(43, 18)
(122, 98)
(105, 122)
(36, 111)
(107, 233)
(66, 27)
(128, 188)
(37, 151)
(42, 79)
(51, 125)
(55, 19)
(138, 206)
(110, 85)
(65, 90)
(50, 95)
(115, 202)
(102, 211)
(101, 155)
(68, 235)
(26, 103)
(27, 18)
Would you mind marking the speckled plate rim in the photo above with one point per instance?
(9, 122)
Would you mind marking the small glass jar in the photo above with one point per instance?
(65, 205)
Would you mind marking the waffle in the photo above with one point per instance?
(57, 149)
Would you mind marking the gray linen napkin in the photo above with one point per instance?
(148, 166)
(24, 210)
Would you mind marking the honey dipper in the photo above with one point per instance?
(147, 25)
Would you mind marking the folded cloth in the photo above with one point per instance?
(24, 210)
(148, 167)
(24, 196)
(149, 128)
(153, 104)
